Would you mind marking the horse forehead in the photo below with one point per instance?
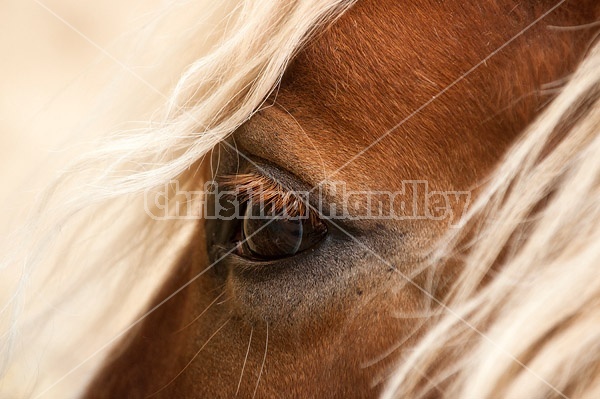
(357, 79)
(383, 59)
(400, 90)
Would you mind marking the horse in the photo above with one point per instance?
(440, 104)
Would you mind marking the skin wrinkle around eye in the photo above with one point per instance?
(274, 289)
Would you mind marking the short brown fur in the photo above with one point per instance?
(371, 69)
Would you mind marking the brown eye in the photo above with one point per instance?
(271, 237)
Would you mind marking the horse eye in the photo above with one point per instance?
(272, 237)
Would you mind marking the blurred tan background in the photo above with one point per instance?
(51, 82)
(72, 70)
(50, 77)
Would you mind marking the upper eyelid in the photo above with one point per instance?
(253, 186)
(252, 183)
(247, 181)
(284, 180)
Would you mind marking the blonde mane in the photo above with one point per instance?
(529, 330)
(532, 330)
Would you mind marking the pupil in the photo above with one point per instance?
(270, 236)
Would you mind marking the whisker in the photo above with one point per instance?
(200, 315)
(191, 360)
(245, 360)
(591, 25)
(263, 362)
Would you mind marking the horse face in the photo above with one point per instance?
(401, 98)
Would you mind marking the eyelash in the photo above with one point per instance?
(250, 187)
(296, 227)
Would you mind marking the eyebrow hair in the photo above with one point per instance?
(260, 189)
